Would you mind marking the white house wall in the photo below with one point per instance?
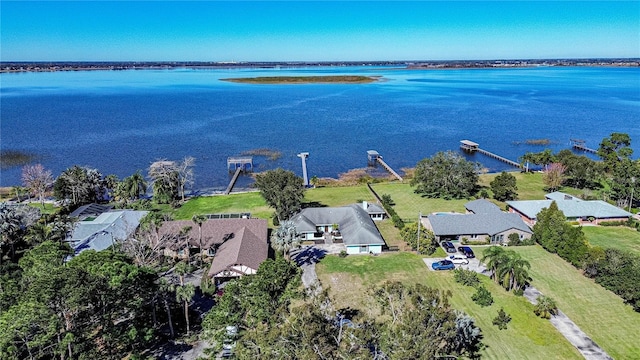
(355, 249)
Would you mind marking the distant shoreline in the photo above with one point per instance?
(53, 66)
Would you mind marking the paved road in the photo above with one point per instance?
(587, 347)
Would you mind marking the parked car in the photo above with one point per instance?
(443, 265)
(448, 247)
(458, 259)
(467, 251)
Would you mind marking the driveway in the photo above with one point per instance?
(474, 265)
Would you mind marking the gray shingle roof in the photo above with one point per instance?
(572, 207)
(354, 222)
(101, 232)
(482, 206)
(90, 210)
(490, 224)
(375, 209)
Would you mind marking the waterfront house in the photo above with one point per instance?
(484, 221)
(575, 209)
(236, 246)
(105, 230)
(351, 225)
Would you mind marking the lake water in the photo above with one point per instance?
(121, 121)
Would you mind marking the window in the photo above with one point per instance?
(364, 248)
(211, 251)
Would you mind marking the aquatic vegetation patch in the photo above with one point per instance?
(12, 158)
(270, 154)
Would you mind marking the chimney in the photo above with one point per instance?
(365, 205)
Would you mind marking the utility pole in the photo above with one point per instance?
(419, 223)
(633, 186)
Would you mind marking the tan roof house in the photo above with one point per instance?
(237, 246)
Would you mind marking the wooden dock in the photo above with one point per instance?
(238, 164)
(374, 157)
(233, 181)
(470, 146)
(579, 145)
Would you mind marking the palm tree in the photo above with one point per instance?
(60, 228)
(136, 185)
(10, 226)
(38, 233)
(546, 307)
(153, 221)
(199, 220)
(493, 257)
(164, 290)
(285, 238)
(513, 272)
(185, 293)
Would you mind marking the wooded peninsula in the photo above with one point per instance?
(337, 79)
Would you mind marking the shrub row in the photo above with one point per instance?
(388, 203)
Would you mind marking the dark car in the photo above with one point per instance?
(448, 247)
(467, 251)
(443, 265)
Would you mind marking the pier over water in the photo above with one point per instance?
(579, 144)
(374, 157)
(470, 146)
(240, 164)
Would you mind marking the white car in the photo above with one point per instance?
(458, 259)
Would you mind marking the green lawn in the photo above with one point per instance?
(338, 196)
(47, 209)
(598, 312)
(530, 185)
(244, 202)
(616, 237)
(409, 204)
(527, 337)
(254, 203)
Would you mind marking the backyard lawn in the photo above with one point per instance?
(616, 237)
(339, 196)
(234, 203)
(598, 312)
(409, 204)
(527, 336)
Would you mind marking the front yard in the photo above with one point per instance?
(528, 337)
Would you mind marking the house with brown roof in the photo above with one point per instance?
(236, 246)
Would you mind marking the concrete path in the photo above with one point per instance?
(587, 347)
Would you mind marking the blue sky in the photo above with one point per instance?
(316, 31)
